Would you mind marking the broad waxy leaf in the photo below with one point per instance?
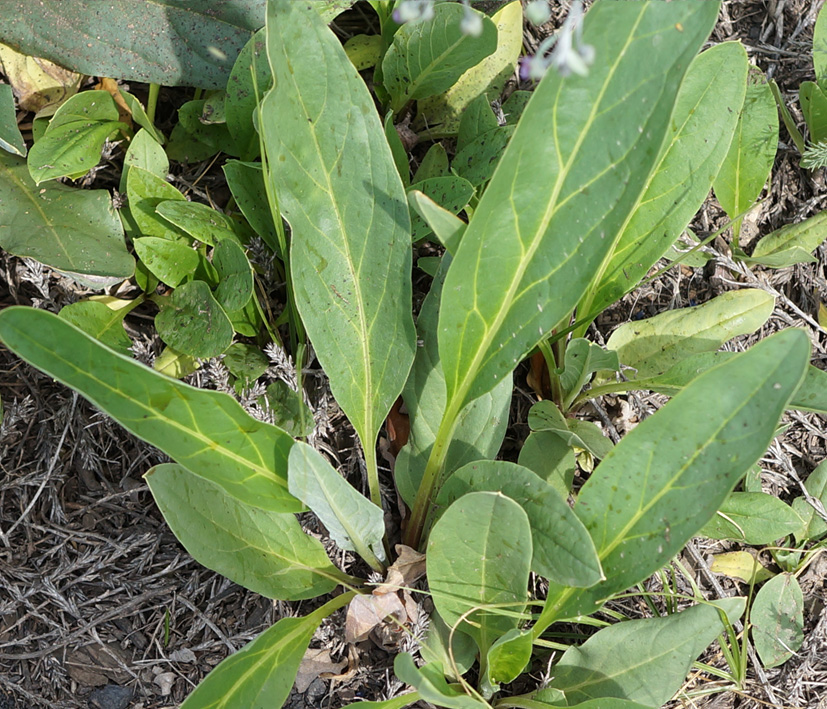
(584, 358)
(452, 193)
(751, 154)
(435, 648)
(201, 222)
(703, 122)
(10, 136)
(266, 552)
(654, 345)
(562, 548)
(193, 322)
(441, 115)
(236, 285)
(426, 58)
(478, 559)
(144, 152)
(477, 161)
(399, 702)
(478, 118)
(740, 565)
(539, 256)
(753, 518)
(71, 230)
(669, 475)
(644, 660)
(246, 362)
(791, 244)
(101, 322)
(548, 455)
(354, 522)
(206, 431)
(447, 227)
(545, 416)
(777, 619)
(508, 657)
(261, 674)
(480, 427)
(171, 262)
(431, 686)
(145, 192)
(434, 164)
(364, 50)
(350, 255)
(243, 95)
(175, 364)
(71, 145)
(246, 182)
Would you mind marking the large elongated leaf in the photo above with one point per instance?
(645, 660)
(68, 229)
(267, 552)
(261, 674)
(350, 253)
(571, 176)
(426, 58)
(697, 143)
(654, 345)
(669, 475)
(354, 522)
(205, 431)
(478, 559)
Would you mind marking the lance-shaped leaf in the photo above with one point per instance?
(10, 137)
(669, 475)
(426, 58)
(72, 230)
(644, 660)
(478, 560)
(792, 243)
(654, 345)
(261, 674)
(572, 174)
(205, 431)
(354, 522)
(267, 552)
(337, 185)
(704, 119)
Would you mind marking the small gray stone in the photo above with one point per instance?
(110, 697)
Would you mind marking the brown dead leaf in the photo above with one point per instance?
(408, 568)
(538, 377)
(40, 85)
(110, 85)
(367, 612)
(316, 663)
(398, 426)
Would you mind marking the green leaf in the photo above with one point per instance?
(71, 230)
(452, 193)
(289, 410)
(400, 155)
(456, 650)
(669, 475)
(246, 182)
(245, 362)
(174, 364)
(644, 660)
(431, 685)
(261, 674)
(562, 548)
(478, 561)
(193, 322)
(480, 426)
(602, 703)
(777, 619)
(515, 105)
(820, 46)
(139, 116)
(235, 289)
(447, 227)
(10, 136)
(364, 50)
(398, 702)
(816, 486)
(540, 255)
(101, 322)
(350, 254)
(242, 100)
(71, 145)
(814, 107)
(696, 144)
(548, 455)
(584, 358)
(751, 154)
(753, 518)
(508, 657)
(145, 192)
(353, 521)
(427, 58)
(545, 416)
(171, 262)
(266, 552)
(441, 115)
(144, 152)
(654, 345)
(205, 431)
(200, 221)
(434, 164)
(477, 119)
(214, 135)
(477, 161)
(187, 148)
(740, 565)
(791, 244)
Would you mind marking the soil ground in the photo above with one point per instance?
(101, 607)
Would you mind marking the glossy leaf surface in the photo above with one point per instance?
(338, 187)
(669, 475)
(266, 552)
(426, 58)
(540, 255)
(71, 230)
(645, 660)
(205, 431)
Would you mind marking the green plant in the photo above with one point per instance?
(601, 175)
